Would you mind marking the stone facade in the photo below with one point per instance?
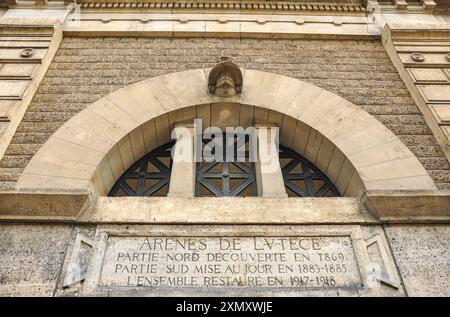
(419, 253)
(38, 252)
(86, 69)
(88, 89)
(424, 272)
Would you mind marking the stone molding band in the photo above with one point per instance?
(374, 207)
(290, 6)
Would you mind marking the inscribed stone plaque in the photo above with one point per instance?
(253, 260)
(238, 262)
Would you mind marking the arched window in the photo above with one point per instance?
(150, 176)
(235, 177)
(302, 178)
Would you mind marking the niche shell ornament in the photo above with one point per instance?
(417, 57)
(225, 78)
(27, 52)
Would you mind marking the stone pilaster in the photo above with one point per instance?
(27, 49)
(269, 176)
(182, 179)
(420, 54)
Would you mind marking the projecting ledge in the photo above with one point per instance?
(408, 206)
(42, 206)
(374, 207)
(227, 210)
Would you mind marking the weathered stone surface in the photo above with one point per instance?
(46, 206)
(237, 260)
(216, 210)
(84, 233)
(390, 283)
(9, 174)
(86, 69)
(406, 205)
(229, 261)
(421, 254)
(32, 257)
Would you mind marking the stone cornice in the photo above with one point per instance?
(424, 32)
(242, 6)
(246, 6)
(33, 27)
(222, 25)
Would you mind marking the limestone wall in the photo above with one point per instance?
(31, 258)
(421, 254)
(35, 258)
(86, 69)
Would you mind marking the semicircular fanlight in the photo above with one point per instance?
(302, 178)
(149, 176)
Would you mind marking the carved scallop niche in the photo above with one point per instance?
(225, 79)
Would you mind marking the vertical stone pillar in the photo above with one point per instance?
(401, 4)
(269, 177)
(182, 178)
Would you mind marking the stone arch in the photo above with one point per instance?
(354, 149)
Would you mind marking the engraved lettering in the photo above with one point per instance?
(235, 262)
